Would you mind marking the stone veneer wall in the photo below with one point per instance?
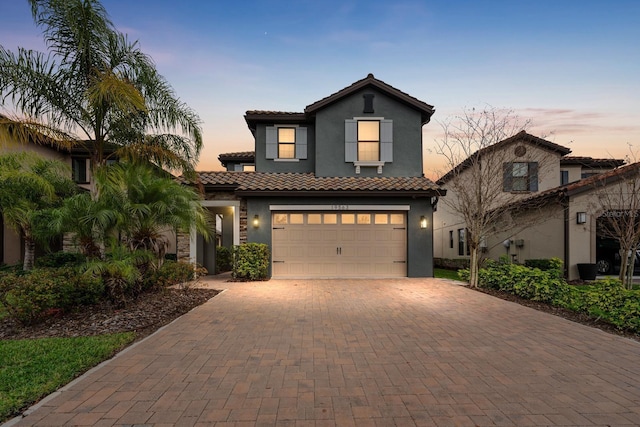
(183, 249)
(243, 221)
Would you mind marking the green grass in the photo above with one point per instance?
(32, 369)
(443, 273)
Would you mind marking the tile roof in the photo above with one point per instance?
(239, 156)
(520, 136)
(261, 182)
(584, 185)
(591, 162)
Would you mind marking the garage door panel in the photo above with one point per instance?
(349, 245)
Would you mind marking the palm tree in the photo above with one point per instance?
(88, 221)
(29, 186)
(95, 87)
(147, 203)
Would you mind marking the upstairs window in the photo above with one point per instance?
(520, 176)
(287, 143)
(368, 140)
(79, 170)
(564, 177)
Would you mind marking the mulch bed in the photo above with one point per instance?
(143, 316)
(571, 315)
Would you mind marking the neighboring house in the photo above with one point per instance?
(79, 162)
(335, 191)
(548, 188)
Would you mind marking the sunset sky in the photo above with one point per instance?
(572, 67)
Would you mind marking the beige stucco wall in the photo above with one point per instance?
(446, 220)
(541, 234)
(575, 172)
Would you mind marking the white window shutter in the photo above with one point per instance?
(272, 143)
(386, 140)
(301, 143)
(351, 140)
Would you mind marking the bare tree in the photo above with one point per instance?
(489, 169)
(617, 200)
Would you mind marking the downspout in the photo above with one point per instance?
(565, 205)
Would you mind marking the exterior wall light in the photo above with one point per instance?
(423, 222)
(256, 221)
(581, 218)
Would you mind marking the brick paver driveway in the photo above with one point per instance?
(360, 352)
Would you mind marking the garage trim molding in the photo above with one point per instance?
(339, 207)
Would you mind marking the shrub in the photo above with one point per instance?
(544, 263)
(29, 297)
(251, 261)
(123, 272)
(60, 259)
(224, 259)
(530, 283)
(174, 273)
(609, 300)
(606, 299)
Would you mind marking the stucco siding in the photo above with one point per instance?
(330, 136)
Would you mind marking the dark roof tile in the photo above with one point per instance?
(260, 182)
(591, 162)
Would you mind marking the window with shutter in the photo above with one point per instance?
(368, 142)
(520, 176)
(286, 142)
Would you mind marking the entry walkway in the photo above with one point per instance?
(359, 353)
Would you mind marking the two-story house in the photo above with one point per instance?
(335, 191)
(553, 195)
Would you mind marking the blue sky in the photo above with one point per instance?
(572, 67)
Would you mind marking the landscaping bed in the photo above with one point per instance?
(574, 316)
(148, 312)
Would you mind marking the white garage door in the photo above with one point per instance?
(339, 244)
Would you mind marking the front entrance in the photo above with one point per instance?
(339, 244)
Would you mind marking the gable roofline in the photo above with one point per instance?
(425, 109)
(520, 136)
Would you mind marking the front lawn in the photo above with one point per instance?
(443, 273)
(31, 369)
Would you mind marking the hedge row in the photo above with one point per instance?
(605, 299)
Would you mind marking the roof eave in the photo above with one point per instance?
(340, 193)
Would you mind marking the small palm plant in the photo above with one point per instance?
(122, 272)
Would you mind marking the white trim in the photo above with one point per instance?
(286, 160)
(376, 164)
(339, 207)
(235, 204)
(371, 119)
